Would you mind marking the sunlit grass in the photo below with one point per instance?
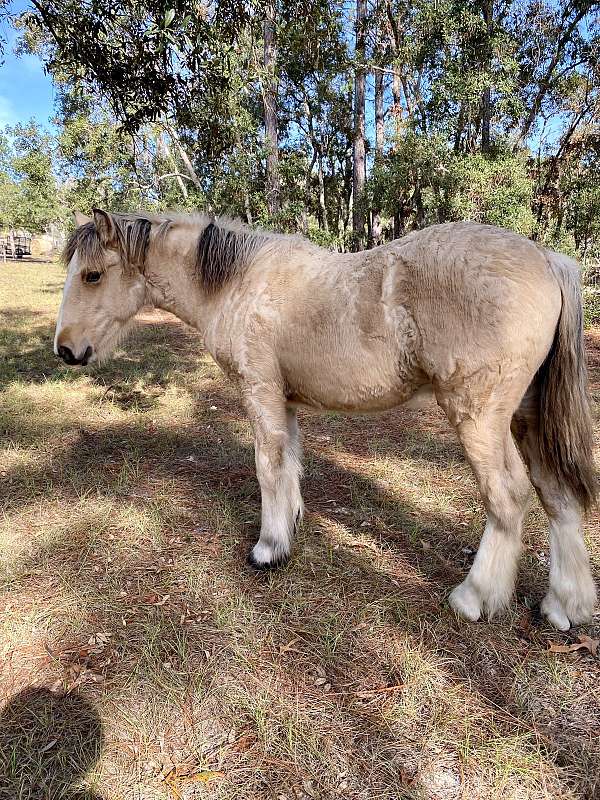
(128, 504)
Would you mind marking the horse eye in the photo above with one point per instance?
(92, 277)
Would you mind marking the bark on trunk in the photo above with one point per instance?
(184, 157)
(376, 227)
(322, 203)
(359, 172)
(487, 8)
(273, 187)
(379, 114)
(162, 143)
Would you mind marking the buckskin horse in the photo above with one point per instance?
(482, 319)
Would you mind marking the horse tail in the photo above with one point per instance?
(565, 418)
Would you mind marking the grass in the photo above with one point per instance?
(140, 658)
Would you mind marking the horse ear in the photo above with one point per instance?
(81, 219)
(104, 226)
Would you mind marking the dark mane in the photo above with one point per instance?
(132, 240)
(224, 248)
(222, 253)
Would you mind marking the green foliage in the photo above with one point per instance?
(423, 178)
(591, 306)
(321, 237)
(95, 164)
(29, 196)
(495, 190)
(490, 114)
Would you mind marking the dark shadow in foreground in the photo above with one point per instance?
(49, 741)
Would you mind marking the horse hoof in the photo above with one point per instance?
(562, 612)
(465, 601)
(261, 565)
(554, 613)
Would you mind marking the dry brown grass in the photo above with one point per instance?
(140, 658)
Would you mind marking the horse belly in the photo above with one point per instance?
(355, 380)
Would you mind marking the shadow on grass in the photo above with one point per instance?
(49, 742)
(319, 600)
(155, 353)
(311, 616)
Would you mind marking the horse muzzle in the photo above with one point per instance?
(70, 358)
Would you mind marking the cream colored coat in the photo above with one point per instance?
(480, 318)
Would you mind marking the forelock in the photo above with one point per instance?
(132, 242)
(85, 242)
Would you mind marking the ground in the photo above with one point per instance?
(140, 658)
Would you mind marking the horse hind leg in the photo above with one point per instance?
(571, 595)
(505, 490)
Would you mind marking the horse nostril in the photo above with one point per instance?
(87, 355)
(66, 354)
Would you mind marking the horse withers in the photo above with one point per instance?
(482, 319)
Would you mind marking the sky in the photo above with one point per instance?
(25, 91)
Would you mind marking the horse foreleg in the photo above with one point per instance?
(278, 468)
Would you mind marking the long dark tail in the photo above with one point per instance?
(566, 432)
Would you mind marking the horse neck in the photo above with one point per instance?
(171, 287)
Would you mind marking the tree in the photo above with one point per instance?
(483, 110)
(270, 110)
(359, 164)
(31, 197)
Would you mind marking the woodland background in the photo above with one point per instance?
(352, 122)
(138, 658)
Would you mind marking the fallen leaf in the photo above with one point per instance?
(245, 742)
(589, 643)
(289, 646)
(176, 783)
(204, 776)
(585, 643)
(406, 778)
(173, 783)
(49, 746)
(154, 599)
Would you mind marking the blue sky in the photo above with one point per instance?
(25, 91)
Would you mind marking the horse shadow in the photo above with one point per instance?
(154, 356)
(218, 466)
(49, 742)
(211, 462)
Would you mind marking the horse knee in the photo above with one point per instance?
(270, 456)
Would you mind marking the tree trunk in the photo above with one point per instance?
(376, 227)
(184, 157)
(273, 187)
(379, 114)
(308, 189)
(359, 170)
(487, 7)
(322, 203)
(161, 143)
(394, 43)
(397, 103)
(486, 112)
